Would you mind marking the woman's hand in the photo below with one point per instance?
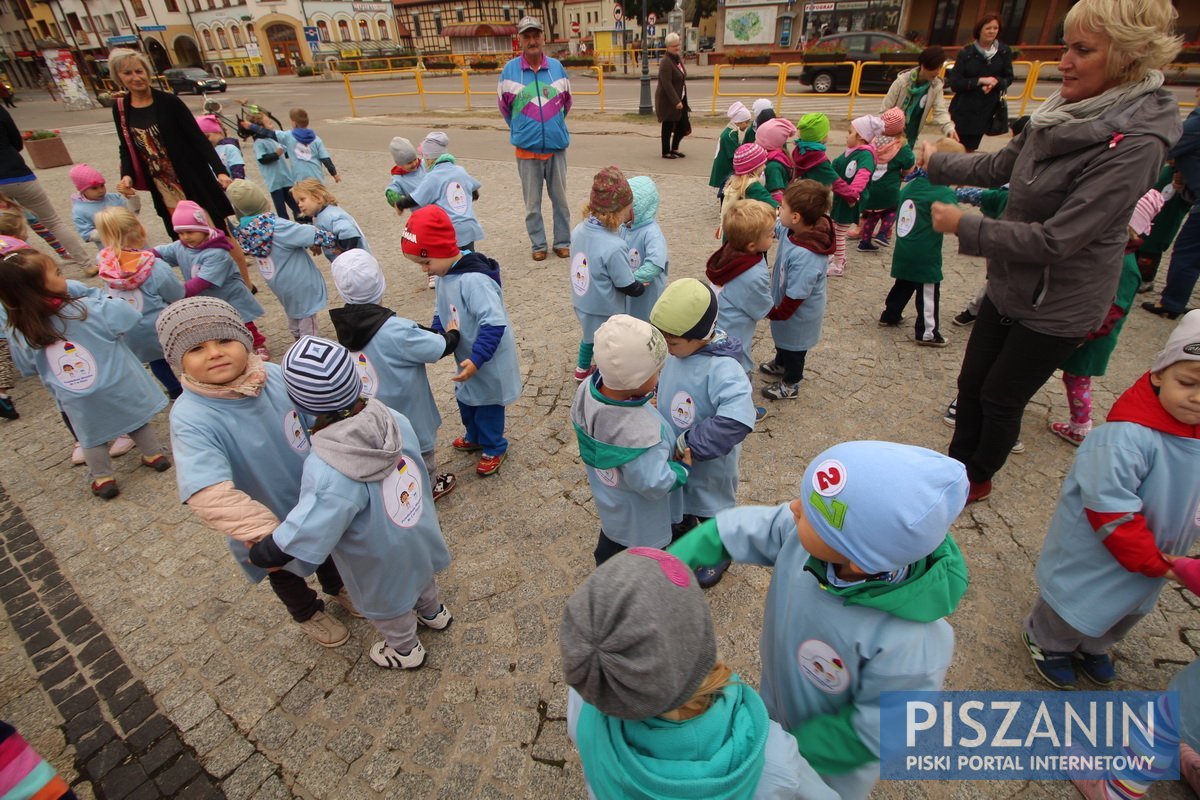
(125, 186)
(945, 217)
(988, 83)
(224, 180)
(679, 105)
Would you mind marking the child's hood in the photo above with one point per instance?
(364, 447)
(727, 263)
(645, 200)
(304, 135)
(256, 234)
(1140, 405)
(231, 140)
(125, 269)
(477, 262)
(931, 590)
(76, 197)
(722, 346)
(818, 239)
(612, 432)
(357, 323)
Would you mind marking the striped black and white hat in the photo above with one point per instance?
(320, 376)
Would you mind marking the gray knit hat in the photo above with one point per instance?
(187, 323)
(1183, 344)
(320, 376)
(402, 150)
(435, 145)
(637, 638)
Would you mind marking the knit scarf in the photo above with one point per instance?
(988, 52)
(125, 269)
(249, 384)
(1056, 111)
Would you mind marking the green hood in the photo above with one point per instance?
(718, 755)
(622, 431)
(931, 591)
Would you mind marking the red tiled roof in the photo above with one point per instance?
(476, 29)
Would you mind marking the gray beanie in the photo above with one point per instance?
(637, 638)
(184, 324)
(403, 151)
(435, 145)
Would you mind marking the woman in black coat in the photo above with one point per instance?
(982, 72)
(670, 98)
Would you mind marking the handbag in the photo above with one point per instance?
(139, 177)
(998, 124)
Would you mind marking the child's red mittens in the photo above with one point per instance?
(1188, 571)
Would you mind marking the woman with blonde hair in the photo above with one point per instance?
(1090, 151)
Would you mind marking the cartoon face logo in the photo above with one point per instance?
(454, 316)
(265, 266)
(456, 197)
(72, 364)
(851, 168)
(906, 218)
(402, 498)
(823, 667)
(609, 477)
(683, 410)
(635, 258)
(366, 373)
(303, 152)
(581, 276)
(293, 432)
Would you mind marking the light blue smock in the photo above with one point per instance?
(230, 155)
(218, 268)
(383, 536)
(1121, 467)
(160, 288)
(799, 274)
(91, 373)
(408, 182)
(290, 271)
(306, 158)
(338, 221)
(392, 369)
(818, 654)
(276, 174)
(741, 303)
(83, 212)
(646, 242)
(599, 264)
(258, 443)
(472, 299)
(448, 185)
(696, 388)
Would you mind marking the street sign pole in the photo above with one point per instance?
(645, 106)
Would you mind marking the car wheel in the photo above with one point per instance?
(223, 88)
(822, 83)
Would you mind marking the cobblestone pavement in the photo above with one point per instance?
(139, 661)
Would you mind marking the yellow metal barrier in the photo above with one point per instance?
(599, 85)
(418, 83)
(716, 90)
(855, 72)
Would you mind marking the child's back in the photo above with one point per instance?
(216, 267)
(599, 266)
(272, 164)
(918, 250)
(309, 157)
(800, 266)
(448, 185)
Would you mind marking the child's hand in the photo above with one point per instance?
(686, 458)
(224, 180)
(244, 124)
(1185, 571)
(315, 250)
(453, 326)
(467, 370)
(125, 186)
(337, 178)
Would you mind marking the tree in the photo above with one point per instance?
(699, 9)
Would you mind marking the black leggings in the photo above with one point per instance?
(1004, 366)
(295, 593)
(792, 362)
(673, 132)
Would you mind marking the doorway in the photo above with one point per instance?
(285, 49)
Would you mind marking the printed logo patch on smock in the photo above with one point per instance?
(266, 266)
(683, 409)
(72, 364)
(581, 276)
(402, 498)
(134, 297)
(293, 431)
(609, 477)
(906, 218)
(303, 152)
(851, 168)
(366, 373)
(635, 258)
(456, 197)
(823, 667)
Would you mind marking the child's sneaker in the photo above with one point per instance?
(159, 463)
(880, 241)
(1145, 286)
(885, 323)
(951, 415)
(1055, 668)
(325, 630)
(439, 621)
(937, 340)
(964, 318)
(383, 655)
(1070, 432)
(490, 465)
(782, 391)
(582, 374)
(342, 598)
(105, 488)
(835, 272)
(770, 368)
(760, 413)
(978, 492)
(120, 446)
(1019, 447)
(461, 443)
(1098, 667)
(709, 577)
(77, 459)
(7, 409)
(867, 246)
(443, 485)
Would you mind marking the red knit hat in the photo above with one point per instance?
(429, 234)
(748, 157)
(893, 122)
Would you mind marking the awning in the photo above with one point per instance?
(477, 30)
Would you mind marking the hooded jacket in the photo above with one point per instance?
(647, 248)
(1130, 497)
(1054, 257)
(744, 295)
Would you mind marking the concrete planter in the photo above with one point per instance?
(47, 153)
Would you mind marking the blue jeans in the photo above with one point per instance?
(553, 173)
(485, 427)
(162, 370)
(1185, 266)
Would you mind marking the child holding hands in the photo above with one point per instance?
(647, 247)
(854, 169)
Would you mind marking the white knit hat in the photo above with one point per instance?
(737, 112)
(357, 276)
(628, 352)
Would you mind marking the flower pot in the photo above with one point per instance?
(46, 153)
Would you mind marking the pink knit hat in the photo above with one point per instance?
(85, 177)
(868, 127)
(748, 158)
(774, 133)
(1145, 211)
(189, 216)
(208, 124)
(893, 122)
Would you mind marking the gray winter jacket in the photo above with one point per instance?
(1054, 256)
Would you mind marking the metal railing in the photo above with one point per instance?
(418, 84)
(599, 69)
(781, 71)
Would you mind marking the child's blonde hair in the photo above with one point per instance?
(702, 699)
(8, 202)
(735, 187)
(948, 145)
(120, 229)
(609, 219)
(744, 221)
(12, 223)
(314, 188)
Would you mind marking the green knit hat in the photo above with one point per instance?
(688, 308)
(813, 127)
(247, 198)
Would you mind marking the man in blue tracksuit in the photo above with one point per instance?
(534, 95)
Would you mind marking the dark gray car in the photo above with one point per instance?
(193, 80)
(858, 46)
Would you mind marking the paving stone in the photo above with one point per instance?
(124, 781)
(246, 779)
(177, 775)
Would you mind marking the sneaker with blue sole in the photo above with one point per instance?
(709, 577)
(1056, 669)
(760, 413)
(1096, 667)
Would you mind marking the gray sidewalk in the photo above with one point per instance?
(236, 702)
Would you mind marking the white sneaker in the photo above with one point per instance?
(120, 446)
(383, 655)
(77, 458)
(1019, 447)
(439, 621)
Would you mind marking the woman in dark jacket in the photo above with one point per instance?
(670, 98)
(162, 149)
(982, 72)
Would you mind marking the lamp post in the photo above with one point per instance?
(645, 106)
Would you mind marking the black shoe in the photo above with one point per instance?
(1159, 310)
(670, 155)
(678, 154)
(886, 323)
(964, 318)
(7, 409)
